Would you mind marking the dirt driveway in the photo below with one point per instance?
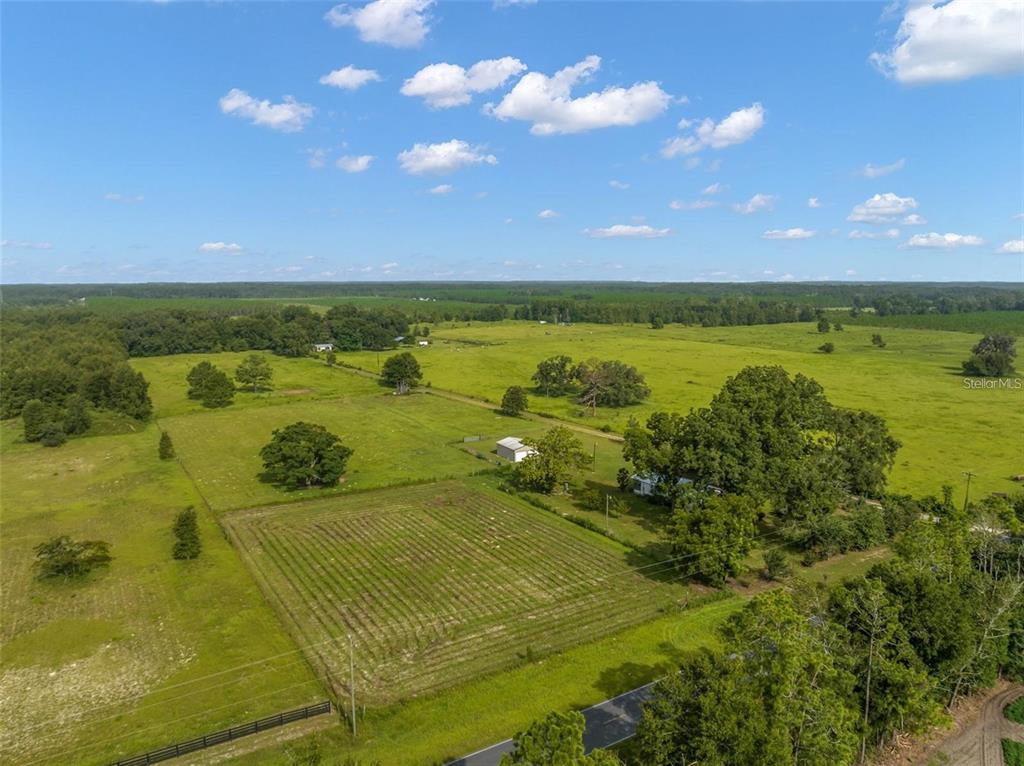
(978, 743)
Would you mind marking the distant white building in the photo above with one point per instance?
(423, 343)
(321, 347)
(513, 449)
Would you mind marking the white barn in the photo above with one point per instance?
(646, 485)
(513, 449)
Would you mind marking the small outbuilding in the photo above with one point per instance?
(646, 485)
(423, 343)
(321, 347)
(512, 448)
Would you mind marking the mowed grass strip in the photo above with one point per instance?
(914, 383)
(438, 583)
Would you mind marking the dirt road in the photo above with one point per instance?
(978, 743)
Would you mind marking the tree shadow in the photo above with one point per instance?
(630, 675)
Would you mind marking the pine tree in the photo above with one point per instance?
(186, 530)
(166, 446)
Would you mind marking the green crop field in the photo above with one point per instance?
(438, 583)
(146, 652)
(914, 383)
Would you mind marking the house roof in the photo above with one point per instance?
(511, 442)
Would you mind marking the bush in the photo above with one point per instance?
(776, 564)
(186, 532)
(76, 416)
(166, 446)
(827, 348)
(34, 417)
(52, 435)
(867, 527)
(70, 559)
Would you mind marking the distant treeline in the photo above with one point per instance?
(885, 298)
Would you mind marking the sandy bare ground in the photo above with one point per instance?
(978, 743)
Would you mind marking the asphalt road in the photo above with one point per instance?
(607, 723)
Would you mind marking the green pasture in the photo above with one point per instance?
(145, 652)
(978, 322)
(397, 439)
(914, 383)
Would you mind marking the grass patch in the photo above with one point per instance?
(1015, 710)
(1013, 753)
(135, 656)
(460, 720)
(914, 383)
(438, 584)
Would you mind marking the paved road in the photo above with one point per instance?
(607, 723)
(978, 744)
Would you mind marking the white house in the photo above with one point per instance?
(423, 343)
(513, 449)
(646, 485)
(321, 347)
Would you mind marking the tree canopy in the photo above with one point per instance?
(401, 372)
(992, 356)
(304, 455)
(710, 536)
(610, 383)
(254, 372)
(70, 559)
(557, 456)
(555, 740)
(514, 401)
(210, 385)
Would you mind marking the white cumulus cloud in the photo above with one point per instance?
(355, 164)
(229, 248)
(1015, 246)
(442, 158)
(290, 116)
(447, 85)
(737, 128)
(882, 208)
(350, 78)
(813, 202)
(755, 204)
(700, 204)
(944, 241)
(19, 244)
(621, 185)
(548, 214)
(441, 189)
(944, 42)
(627, 230)
(914, 220)
(547, 102)
(796, 233)
(876, 171)
(398, 23)
(886, 234)
(715, 188)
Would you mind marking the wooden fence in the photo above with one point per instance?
(226, 735)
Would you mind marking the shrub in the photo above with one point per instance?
(827, 348)
(70, 559)
(186, 532)
(76, 416)
(776, 564)
(52, 435)
(166, 446)
(34, 417)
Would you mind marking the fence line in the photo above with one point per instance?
(227, 735)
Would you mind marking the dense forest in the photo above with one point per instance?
(579, 299)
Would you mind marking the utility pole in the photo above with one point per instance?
(352, 683)
(593, 463)
(967, 493)
(607, 524)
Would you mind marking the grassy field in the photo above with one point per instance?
(439, 583)
(914, 383)
(150, 650)
(977, 322)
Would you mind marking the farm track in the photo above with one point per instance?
(436, 584)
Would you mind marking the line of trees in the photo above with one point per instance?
(825, 676)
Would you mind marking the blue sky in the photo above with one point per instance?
(681, 141)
